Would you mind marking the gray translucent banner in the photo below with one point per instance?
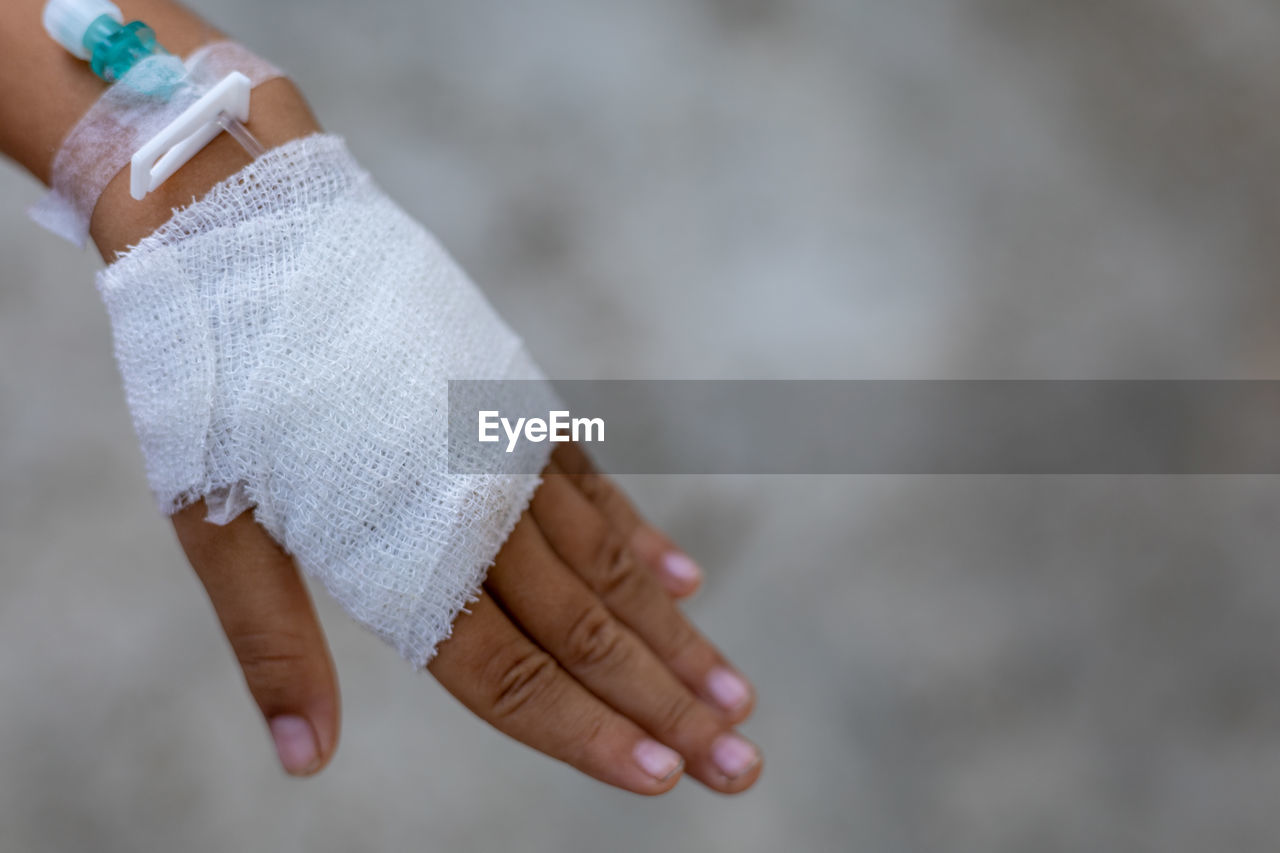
(874, 427)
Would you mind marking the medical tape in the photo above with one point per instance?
(132, 111)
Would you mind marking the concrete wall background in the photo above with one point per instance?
(809, 188)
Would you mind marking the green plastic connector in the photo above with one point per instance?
(115, 48)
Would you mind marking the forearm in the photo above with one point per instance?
(44, 91)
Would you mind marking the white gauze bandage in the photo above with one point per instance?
(285, 344)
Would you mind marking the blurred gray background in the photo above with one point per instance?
(736, 188)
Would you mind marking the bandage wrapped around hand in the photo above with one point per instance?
(285, 345)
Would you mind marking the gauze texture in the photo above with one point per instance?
(285, 344)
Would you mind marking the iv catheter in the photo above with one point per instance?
(95, 30)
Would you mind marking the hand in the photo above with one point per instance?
(576, 648)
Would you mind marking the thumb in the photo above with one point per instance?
(266, 613)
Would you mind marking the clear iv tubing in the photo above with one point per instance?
(241, 134)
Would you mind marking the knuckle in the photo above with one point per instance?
(594, 640)
(681, 643)
(614, 504)
(594, 486)
(274, 664)
(573, 459)
(522, 678)
(676, 712)
(591, 738)
(615, 567)
(606, 497)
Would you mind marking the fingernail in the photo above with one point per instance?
(295, 744)
(734, 755)
(656, 760)
(681, 568)
(728, 688)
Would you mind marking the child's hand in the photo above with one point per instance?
(576, 648)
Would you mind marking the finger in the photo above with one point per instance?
(510, 683)
(266, 613)
(560, 613)
(597, 552)
(679, 574)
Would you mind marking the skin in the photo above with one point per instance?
(576, 648)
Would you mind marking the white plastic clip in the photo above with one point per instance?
(188, 134)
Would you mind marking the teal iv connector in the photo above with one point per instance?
(115, 48)
(95, 30)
